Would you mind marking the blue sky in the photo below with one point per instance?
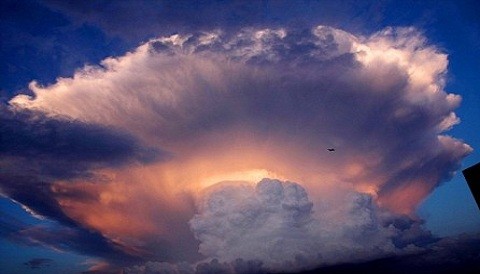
(45, 40)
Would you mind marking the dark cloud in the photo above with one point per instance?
(410, 232)
(34, 194)
(213, 266)
(37, 263)
(67, 238)
(32, 135)
(36, 150)
(448, 256)
(78, 240)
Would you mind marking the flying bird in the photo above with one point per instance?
(331, 149)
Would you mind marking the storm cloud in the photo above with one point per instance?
(146, 138)
(294, 90)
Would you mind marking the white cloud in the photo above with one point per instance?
(273, 222)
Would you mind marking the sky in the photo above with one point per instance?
(194, 136)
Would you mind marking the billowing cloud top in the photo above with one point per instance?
(253, 104)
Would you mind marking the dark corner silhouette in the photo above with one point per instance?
(472, 175)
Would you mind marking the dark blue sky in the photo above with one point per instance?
(44, 40)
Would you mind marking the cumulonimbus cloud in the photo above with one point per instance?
(273, 222)
(253, 104)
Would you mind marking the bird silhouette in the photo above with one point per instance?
(331, 149)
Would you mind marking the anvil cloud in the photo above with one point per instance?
(213, 106)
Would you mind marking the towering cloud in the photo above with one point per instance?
(259, 103)
(273, 222)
